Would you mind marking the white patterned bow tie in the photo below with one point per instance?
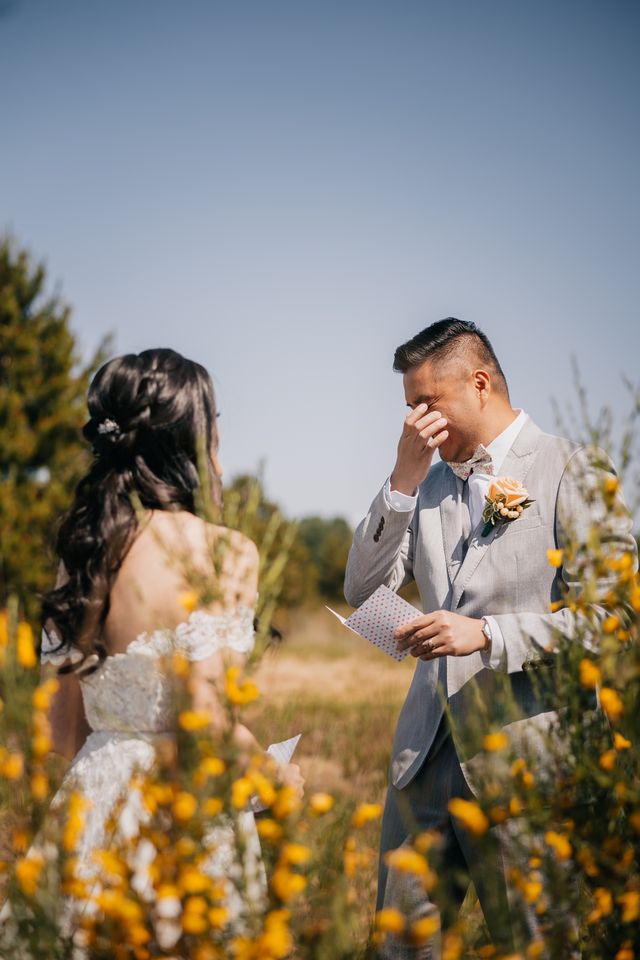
(481, 461)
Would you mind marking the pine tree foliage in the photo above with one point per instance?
(43, 389)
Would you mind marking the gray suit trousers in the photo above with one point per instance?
(423, 805)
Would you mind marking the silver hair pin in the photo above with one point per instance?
(108, 426)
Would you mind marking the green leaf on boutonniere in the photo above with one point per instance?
(486, 530)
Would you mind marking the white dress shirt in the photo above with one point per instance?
(478, 489)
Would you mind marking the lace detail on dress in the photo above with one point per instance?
(200, 636)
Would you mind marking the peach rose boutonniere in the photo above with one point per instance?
(506, 501)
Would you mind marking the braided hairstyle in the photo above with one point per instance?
(151, 414)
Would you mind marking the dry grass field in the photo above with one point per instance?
(341, 694)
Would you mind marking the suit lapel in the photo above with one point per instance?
(516, 465)
(451, 518)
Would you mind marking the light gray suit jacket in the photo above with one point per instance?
(505, 575)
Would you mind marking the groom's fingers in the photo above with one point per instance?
(412, 632)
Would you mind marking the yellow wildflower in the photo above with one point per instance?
(192, 720)
(610, 485)
(41, 698)
(13, 766)
(611, 704)
(241, 791)
(295, 854)
(555, 558)
(495, 741)
(470, 815)
(211, 767)
(535, 949)
(75, 821)
(610, 624)
(191, 881)
(625, 952)
(194, 923)
(25, 650)
(532, 890)
(321, 803)
(263, 787)
(634, 820)
(365, 813)
(239, 693)
(620, 742)
(515, 806)
(4, 629)
(189, 600)
(452, 946)
(560, 843)
(276, 941)
(39, 785)
(286, 884)
(286, 803)
(424, 928)
(180, 664)
(389, 921)
(40, 746)
(407, 860)
(212, 806)
(630, 902)
(28, 870)
(269, 829)
(218, 917)
(184, 806)
(608, 760)
(590, 674)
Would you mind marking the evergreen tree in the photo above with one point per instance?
(43, 391)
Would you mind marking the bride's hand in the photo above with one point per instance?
(291, 777)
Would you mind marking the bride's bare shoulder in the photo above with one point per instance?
(185, 528)
(195, 549)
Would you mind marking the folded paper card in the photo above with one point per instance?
(377, 619)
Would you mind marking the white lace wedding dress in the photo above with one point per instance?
(128, 704)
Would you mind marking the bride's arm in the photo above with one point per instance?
(67, 721)
(69, 727)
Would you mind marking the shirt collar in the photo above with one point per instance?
(499, 448)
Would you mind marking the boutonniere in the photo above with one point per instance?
(506, 501)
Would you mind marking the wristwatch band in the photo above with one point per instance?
(486, 629)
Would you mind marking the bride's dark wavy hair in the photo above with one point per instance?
(151, 415)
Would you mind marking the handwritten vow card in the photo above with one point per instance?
(378, 617)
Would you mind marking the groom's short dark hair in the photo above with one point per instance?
(445, 338)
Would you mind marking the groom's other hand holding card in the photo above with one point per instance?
(442, 634)
(422, 434)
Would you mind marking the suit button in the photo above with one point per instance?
(376, 537)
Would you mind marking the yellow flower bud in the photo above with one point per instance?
(365, 813)
(611, 704)
(589, 673)
(495, 741)
(470, 815)
(321, 803)
(389, 921)
(184, 806)
(25, 649)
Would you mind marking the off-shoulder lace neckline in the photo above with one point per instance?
(144, 640)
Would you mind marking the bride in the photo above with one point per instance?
(121, 593)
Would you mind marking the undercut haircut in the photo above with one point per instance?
(451, 339)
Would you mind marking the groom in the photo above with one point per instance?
(487, 634)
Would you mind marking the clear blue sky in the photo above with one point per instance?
(285, 190)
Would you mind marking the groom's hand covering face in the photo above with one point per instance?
(423, 432)
(441, 634)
